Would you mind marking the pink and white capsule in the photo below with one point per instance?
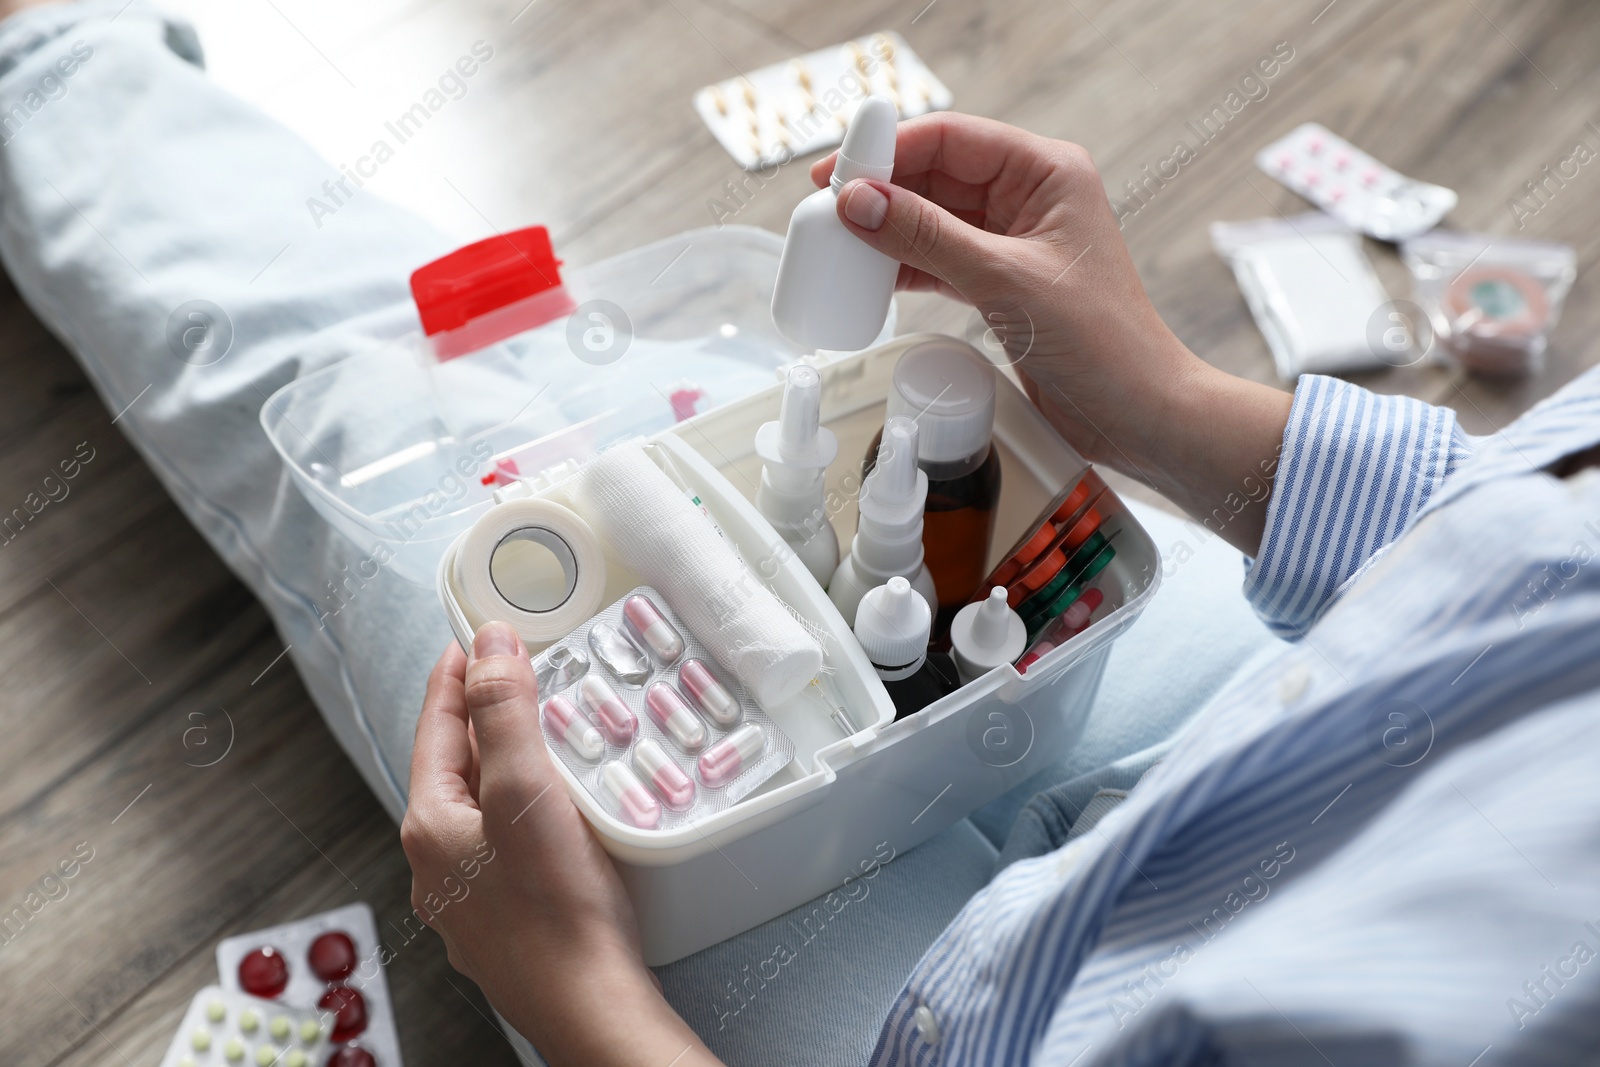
(675, 717)
(624, 790)
(652, 628)
(722, 762)
(568, 723)
(652, 763)
(710, 695)
(617, 720)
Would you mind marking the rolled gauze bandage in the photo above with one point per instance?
(649, 524)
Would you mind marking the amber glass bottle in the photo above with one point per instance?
(949, 388)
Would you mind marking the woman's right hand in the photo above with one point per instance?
(1019, 226)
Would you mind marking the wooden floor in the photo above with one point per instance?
(119, 631)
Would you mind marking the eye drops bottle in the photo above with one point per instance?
(893, 626)
(949, 388)
(833, 290)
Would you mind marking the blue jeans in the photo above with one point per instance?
(135, 186)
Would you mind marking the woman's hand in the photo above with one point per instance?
(1019, 226)
(506, 870)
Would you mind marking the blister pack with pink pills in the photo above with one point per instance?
(1353, 187)
(640, 713)
(330, 964)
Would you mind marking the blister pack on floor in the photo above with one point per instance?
(803, 105)
(1353, 187)
(643, 716)
(329, 964)
(1312, 292)
(225, 1028)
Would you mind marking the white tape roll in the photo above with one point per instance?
(572, 597)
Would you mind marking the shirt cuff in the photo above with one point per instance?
(1354, 469)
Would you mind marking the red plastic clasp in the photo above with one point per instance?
(489, 290)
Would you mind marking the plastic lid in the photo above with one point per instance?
(948, 387)
(484, 277)
(986, 634)
(893, 624)
(868, 148)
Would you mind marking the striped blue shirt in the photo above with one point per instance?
(1381, 847)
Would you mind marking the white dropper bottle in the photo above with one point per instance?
(888, 541)
(833, 289)
(796, 452)
(985, 635)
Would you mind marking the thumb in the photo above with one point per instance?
(917, 232)
(503, 703)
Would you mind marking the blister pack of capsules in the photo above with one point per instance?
(774, 114)
(224, 1028)
(1352, 186)
(641, 714)
(327, 964)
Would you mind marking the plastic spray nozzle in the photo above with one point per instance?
(797, 439)
(868, 148)
(896, 484)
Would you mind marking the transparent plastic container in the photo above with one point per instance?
(403, 446)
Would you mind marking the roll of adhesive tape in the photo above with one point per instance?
(572, 598)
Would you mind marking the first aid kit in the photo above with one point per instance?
(717, 645)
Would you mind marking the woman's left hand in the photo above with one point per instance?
(507, 871)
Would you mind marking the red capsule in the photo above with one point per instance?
(351, 1056)
(332, 956)
(264, 973)
(350, 1012)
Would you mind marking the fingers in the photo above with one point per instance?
(922, 235)
(441, 755)
(503, 701)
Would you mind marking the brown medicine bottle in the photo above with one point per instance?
(948, 388)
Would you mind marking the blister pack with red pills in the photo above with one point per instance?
(642, 715)
(327, 963)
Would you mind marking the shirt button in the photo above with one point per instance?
(1292, 686)
(927, 1026)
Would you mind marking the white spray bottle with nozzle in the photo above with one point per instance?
(833, 290)
(796, 452)
(888, 541)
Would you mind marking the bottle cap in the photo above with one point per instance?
(893, 624)
(948, 387)
(868, 148)
(986, 634)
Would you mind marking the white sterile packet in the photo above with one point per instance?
(698, 759)
(1352, 186)
(223, 1028)
(308, 945)
(803, 105)
(1312, 291)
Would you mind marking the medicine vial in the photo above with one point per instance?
(949, 388)
(892, 625)
(675, 717)
(625, 660)
(722, 762)
(795, 452)
(600, 702)
(651, 630)
(565, 721)
(986, 635)
(629, 796)
(889, 538)
(652, 763)
(833, 289)
(708, 694)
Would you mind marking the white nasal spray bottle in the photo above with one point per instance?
(796, 452)
(833, 290)
(985, 635)
(888, 541)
